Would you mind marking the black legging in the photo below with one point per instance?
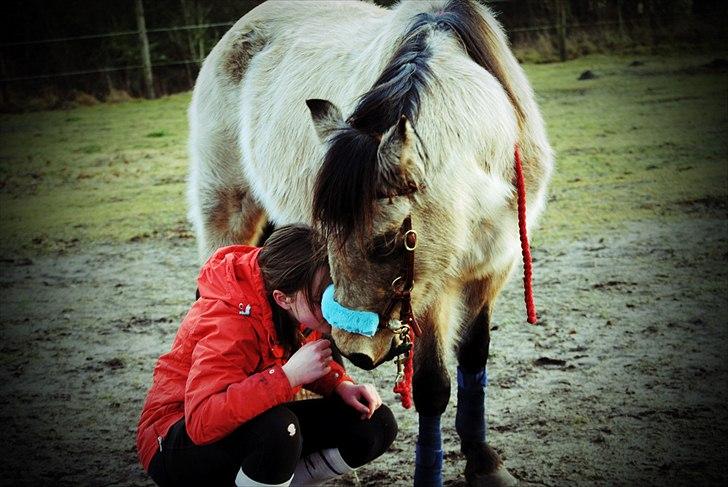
(268, 448)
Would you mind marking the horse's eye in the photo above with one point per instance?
(385, 246)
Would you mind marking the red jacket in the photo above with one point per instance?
(224, 367)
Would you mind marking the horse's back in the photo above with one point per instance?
(275, 42)
(260, 75)
(285, 26)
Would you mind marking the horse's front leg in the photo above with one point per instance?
(431, 393)
(484, 466)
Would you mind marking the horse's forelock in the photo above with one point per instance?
(345, 185)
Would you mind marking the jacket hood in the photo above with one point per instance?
(232, 275)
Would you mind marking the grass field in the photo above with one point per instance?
(637, 142)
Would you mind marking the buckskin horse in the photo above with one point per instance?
(368, 123)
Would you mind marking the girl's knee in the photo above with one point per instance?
(386, 425)
(272, 446)
(275, 430)
(371, 439)
(281, 428)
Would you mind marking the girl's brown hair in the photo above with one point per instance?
(289, 262)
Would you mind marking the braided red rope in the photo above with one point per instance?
(404, 388)
(525, 248)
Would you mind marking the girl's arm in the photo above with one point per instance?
(326, 385)
(223, 390)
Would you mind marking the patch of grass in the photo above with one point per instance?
(92, 174)
(634, 144)
(90, 149)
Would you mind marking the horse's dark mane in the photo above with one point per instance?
(345, 187)
(398, 89)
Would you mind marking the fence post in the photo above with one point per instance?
(146, 58)
(561, 28)
(4, 90)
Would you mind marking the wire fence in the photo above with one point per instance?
(101, 70)
(109, 69)
(107, 35)
(559, 30)
(116, 34)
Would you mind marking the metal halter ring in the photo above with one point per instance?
(398, 328)
(406, 245)
(396, 280)
(394, 283)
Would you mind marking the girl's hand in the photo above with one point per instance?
(362, 397)
(310, 362)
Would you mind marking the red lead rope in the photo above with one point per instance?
(525, 248)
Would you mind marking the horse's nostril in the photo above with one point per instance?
(362, 361)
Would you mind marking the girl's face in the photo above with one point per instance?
(299, 309)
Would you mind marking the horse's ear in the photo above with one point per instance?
(398, 165)
(326, 117)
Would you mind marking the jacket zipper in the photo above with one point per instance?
(159, 440)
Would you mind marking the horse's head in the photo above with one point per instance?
(369, 184)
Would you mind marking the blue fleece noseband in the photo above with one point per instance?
(362, 322)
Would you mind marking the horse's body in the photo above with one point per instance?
(436, 104)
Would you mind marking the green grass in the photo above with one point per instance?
(106, 173)
(635, 144)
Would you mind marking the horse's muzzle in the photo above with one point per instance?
(362, 361)
(365, 362)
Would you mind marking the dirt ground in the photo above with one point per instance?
(623, 383)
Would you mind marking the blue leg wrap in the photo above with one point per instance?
(428, 458)
(470, 421)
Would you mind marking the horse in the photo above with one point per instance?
(356, 119)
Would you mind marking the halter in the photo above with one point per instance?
(406, 328)
(403, 284)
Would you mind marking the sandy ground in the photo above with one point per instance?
(623, 383)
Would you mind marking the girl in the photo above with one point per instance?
(220, 410)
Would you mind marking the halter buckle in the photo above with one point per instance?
(395, 284)
(401, 332)
(407, 235)
(399, 360)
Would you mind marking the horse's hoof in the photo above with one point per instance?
(500, 478)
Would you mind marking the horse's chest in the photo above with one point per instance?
(495, 247)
